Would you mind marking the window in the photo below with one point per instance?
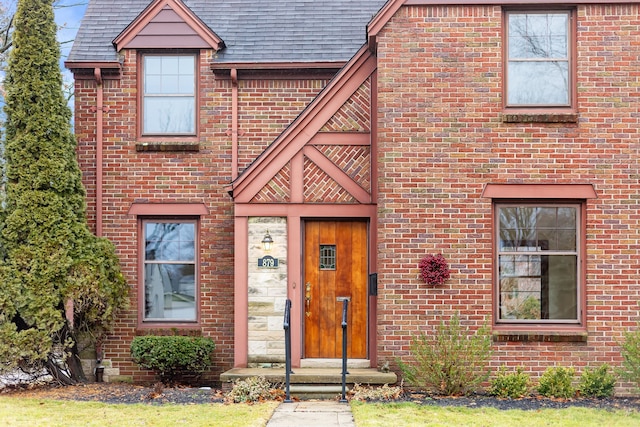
(538, 263)
(170, 270)
(327, 257)
(538, 66)
(169, 88)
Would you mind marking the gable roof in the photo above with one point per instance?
(164, 18)
(277, 31)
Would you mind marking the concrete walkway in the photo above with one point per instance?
(312, 414)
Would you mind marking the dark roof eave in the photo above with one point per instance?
(277, 65)
(104, 65)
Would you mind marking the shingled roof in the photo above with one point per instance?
(253, 31)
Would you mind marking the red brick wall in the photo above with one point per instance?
(441, 139)
(266, 108)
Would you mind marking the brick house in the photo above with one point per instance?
(356, 137)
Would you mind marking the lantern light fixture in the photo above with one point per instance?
(267, 242)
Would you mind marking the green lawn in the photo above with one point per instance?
(46, 412)
(53, 413)
(411, 414)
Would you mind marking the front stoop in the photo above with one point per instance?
(306, 383)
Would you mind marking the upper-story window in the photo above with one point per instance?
(539, 69)
(169, 95)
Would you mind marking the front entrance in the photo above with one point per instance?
(335, 268)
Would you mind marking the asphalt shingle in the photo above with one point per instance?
(253, 30)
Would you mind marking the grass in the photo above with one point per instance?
(411, 414)
(43, 412)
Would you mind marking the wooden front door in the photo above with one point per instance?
(335, 267)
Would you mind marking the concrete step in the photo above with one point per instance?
(312, 382)
(312, 375)
(335, 363)
(306, 392)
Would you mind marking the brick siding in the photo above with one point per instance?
(442, 137)
(266, 108)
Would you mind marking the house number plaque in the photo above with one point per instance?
(268, 262)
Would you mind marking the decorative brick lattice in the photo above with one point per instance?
(320, 187)
(354, 115)
(277, 190)
(353, 160)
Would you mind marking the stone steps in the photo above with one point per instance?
(307, 383)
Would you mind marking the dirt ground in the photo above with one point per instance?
(128, 393)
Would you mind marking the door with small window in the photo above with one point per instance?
(335, 269)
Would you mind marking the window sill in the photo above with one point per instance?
(539, 117)
(187, 331)
(540, 336)
(167, 146)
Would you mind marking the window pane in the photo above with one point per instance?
(566, 240)
(170, 292)
(558, 47)
(546, 217)
(327, 257)
(520, 298)
(538, 36)
(186, 65)
(169, 241)
(562, 292)
(185, 86)
(169, 115)
(567, 217)
(517, 217)
(517, 228)
(548, 239)
(538, 83)
(538, 287)
(153, 84)
(153, 64)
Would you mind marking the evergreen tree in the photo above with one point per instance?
(59, 283)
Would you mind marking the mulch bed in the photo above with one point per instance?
(528, 403)
(158, 395)
(118, 393)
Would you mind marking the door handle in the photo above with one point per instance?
(307, 298)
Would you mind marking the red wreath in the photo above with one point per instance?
(434, 269)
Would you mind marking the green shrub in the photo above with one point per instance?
(557, 382)
(597, 383)
(630, 349)
(173, 357)
(253, 389)
(450, 361)
(510, 385)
